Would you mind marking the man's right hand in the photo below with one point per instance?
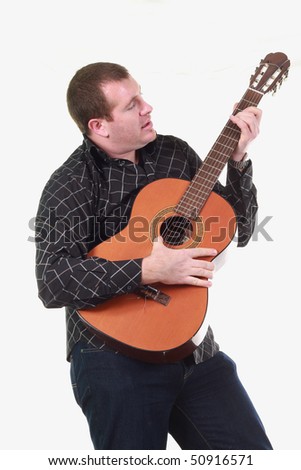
(178, 266)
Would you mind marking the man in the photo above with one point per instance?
(130, 404)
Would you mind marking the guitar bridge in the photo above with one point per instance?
(150, 292)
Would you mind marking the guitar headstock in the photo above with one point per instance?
(271, 72)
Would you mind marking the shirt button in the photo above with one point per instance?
(121, 163)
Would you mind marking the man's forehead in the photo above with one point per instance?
(120, 87)
(121, 91)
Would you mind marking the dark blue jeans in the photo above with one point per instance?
(130, 404)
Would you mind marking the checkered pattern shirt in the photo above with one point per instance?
(89, 199)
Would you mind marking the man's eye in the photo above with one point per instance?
(132, 106)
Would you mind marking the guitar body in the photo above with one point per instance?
(138, 325)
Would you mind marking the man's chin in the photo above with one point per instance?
(152, 136)
(147, 139)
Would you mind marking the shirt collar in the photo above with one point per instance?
(93, 150)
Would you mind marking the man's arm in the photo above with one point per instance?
(65, 276)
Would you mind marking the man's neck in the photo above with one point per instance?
(132, 156)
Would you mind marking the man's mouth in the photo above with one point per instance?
(148, 124)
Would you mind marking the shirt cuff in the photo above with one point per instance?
(241, 164)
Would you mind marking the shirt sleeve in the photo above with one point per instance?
(241, 193)
(65, 276)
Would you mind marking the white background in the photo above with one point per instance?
(194, 60)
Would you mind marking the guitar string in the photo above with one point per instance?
(212, 167)
(214, 170)
(212, 173)
(194, 196)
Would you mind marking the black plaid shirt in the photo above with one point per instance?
(89, 199)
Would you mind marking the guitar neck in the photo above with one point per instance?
(206, 177)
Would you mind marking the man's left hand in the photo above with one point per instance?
(248, 121)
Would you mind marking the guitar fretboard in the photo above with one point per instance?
(206, 177)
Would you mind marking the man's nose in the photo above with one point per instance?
(146, 108)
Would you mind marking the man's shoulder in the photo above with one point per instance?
(169, 139)
(167, 144)
(78, 166)
(75, 173)
(73, 165)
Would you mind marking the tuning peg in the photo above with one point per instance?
(274, 90)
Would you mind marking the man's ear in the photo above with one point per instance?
(98, 126)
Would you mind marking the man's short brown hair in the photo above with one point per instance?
(85, 98)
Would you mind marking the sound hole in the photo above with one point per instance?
(176, 230)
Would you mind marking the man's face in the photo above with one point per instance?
(131, 128)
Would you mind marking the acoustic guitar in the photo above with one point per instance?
(159, 322)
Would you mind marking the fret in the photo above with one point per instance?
(215, 164)
(205, 176)
(221, 153)
(223, 145)
(203, 189)
(236, 131)
(200, 188)
(188, 198)
(235, 139)
(247, 103)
